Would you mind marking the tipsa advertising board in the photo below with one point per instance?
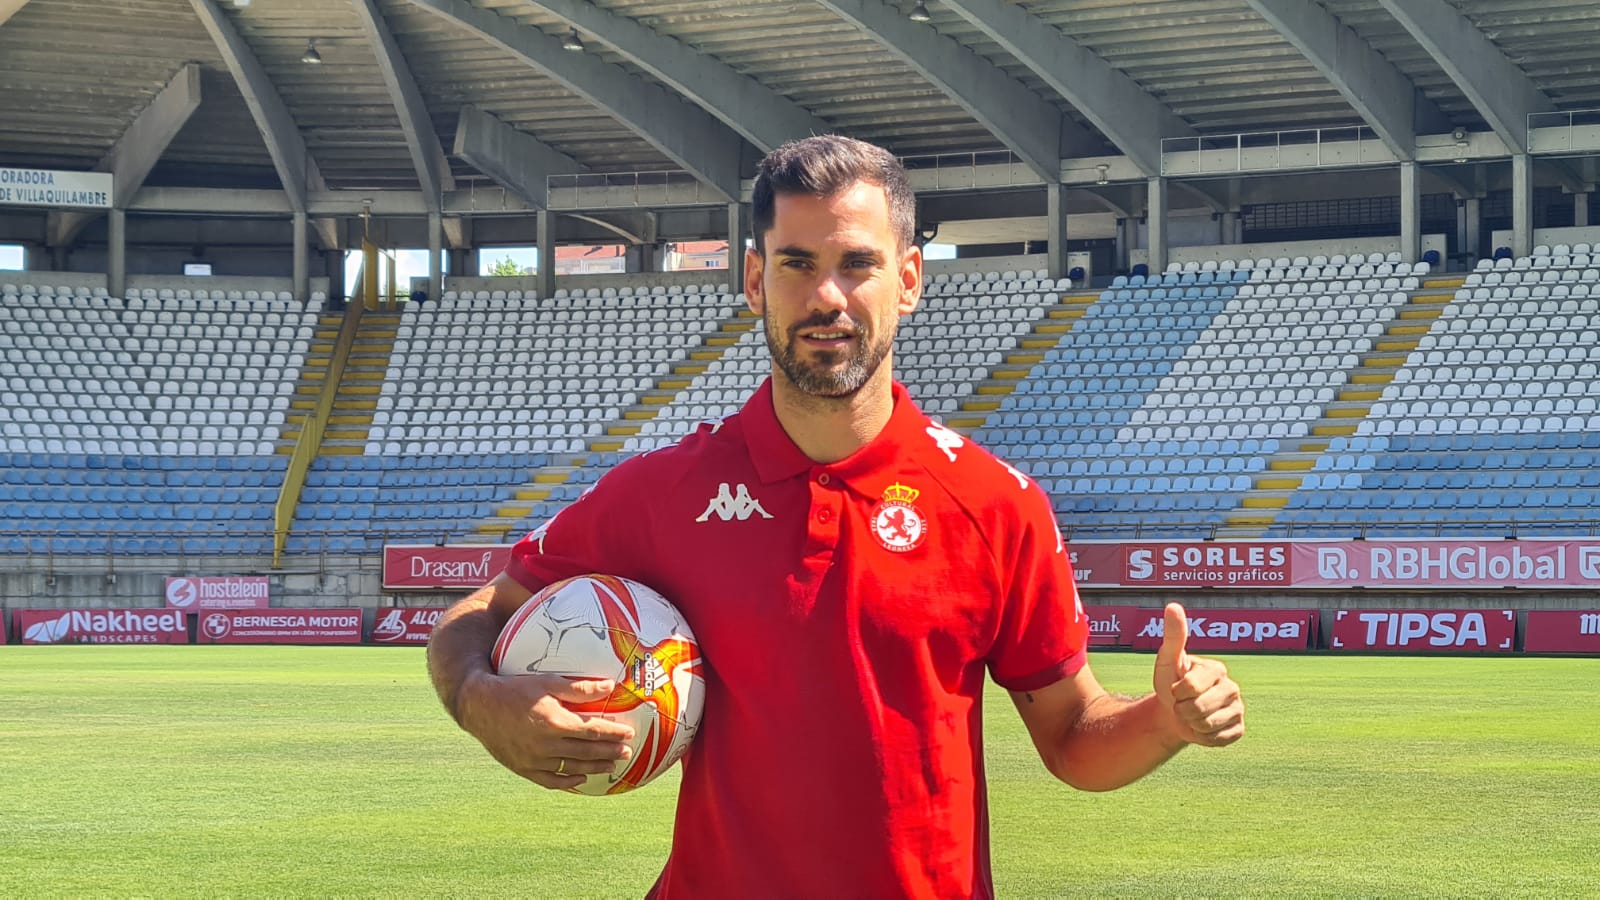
(1425, 630)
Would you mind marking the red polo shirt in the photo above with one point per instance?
(847, 613)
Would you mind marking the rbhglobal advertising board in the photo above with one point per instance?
(1407, 565)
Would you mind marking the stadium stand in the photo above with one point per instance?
(1155, 414)
(466, 413)
(1491, 426)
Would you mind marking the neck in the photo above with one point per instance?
(828, 429)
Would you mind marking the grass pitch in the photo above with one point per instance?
(184, 771)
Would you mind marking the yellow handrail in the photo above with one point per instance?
(310, 442)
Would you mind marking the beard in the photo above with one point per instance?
(830, 374)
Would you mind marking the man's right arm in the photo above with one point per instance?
(458, 652)
(521, 719)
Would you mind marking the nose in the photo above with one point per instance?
(830, 295)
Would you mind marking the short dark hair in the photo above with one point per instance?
(826, 164)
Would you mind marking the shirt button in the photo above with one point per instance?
(823, 479)
(822, 514)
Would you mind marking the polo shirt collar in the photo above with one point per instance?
(776, 457)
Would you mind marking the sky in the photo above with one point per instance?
(10, 256)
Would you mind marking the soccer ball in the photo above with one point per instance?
(599, 626)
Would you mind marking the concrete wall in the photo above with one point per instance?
(192, 283)
(95, 583)
(1587, 234)
(1291, 249)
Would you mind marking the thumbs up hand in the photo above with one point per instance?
(1204, 702)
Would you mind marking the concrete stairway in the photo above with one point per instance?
(1046, 333)
(651, 401)
(357, 398)
(1259, 509)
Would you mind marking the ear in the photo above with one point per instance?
(752, 281)
(910, 280)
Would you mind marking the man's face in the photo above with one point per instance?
(831, 288)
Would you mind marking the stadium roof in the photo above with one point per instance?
(433, 95)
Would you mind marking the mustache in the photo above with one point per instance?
(834, 320)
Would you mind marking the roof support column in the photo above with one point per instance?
(1410, 213)
(435, 252)
(1521, 204)
(1580, 210)
(1055, 226)
(117, 253)
(302, 270)
(547, 254)
(1472, 227)
(1156, 223)
(738, 230)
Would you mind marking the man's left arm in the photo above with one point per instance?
(1098, 741)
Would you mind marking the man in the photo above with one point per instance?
(852, 571)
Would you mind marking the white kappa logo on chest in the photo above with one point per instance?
(728, 505)
(897, 523)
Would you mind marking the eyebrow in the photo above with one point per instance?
(870, 254)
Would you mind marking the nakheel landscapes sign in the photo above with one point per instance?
(218, 592)
(48, 187)
(101, 626)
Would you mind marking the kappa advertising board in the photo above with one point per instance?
(405, 626)
(101, 626)
(280, 626)
(429, 567)
(218, 592)
(1562, 631)
(1232, 629)
(1425, 630)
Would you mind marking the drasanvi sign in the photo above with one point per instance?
(50, 187)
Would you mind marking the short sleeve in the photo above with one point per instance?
(1043, 634)
(604, 531)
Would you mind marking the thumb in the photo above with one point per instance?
(1175, 638)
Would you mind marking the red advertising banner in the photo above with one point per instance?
(1233, 629)
(1425, 630)
(1111, 626)
(1562, 631)
(1095, 565)
(1448, 564)
(101, 626)
(218, 592)
(280, 626)
(424, 566)
(1231, 564)
(405, 626)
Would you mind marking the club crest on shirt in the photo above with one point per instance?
(896, 522)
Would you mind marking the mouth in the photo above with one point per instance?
(828, 339)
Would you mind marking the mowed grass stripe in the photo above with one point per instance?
(191, 771)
